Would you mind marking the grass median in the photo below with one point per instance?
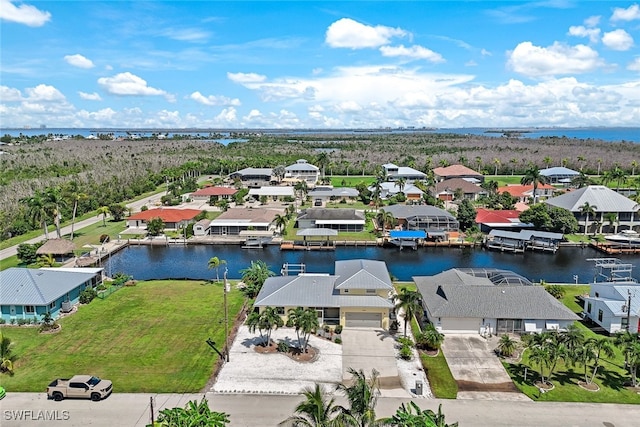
(146, 338)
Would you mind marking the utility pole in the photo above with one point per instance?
(226, 316)
(628, 309)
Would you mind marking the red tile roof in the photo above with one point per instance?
(167, 215)
(455, 170)
(517, 190)
(215, 191)
(488, 216)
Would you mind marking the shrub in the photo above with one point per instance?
(2, 321)
(87, 295)
(338, 329)
(556, 291)
(104, 238)
(101, 287)
(144, 208)
(406, 353)
(48, 323)
(338, 340)
(283, 347)
(405, 342)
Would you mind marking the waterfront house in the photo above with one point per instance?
(273, 193)
(423, 217)
(489, 301)
(235, 220)
(490, 219)
(559, 175)
(335, 219)
(254, 177)
(604, 201)
(27, 293)
(174, 219)
(391, 188)
(394, 173)
(457, 171)
(359, 294)
(614, 297)
(302, 170)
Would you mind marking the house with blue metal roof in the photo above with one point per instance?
(29, 293)
(359, 294)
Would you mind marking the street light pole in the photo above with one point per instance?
(226, 316)
(628, 310)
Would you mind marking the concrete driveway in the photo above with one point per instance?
(477, 369)
(367, 349)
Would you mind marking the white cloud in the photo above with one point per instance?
(629, 14)
(537, 61)
(187, 35)
(212, 100)
(126, 84)
(617, 40)
(592, 21)
(633, 66)
(44, 92)
(23, 14)
(580, 31)
(246, 77)
(8, 94)
(348, 33)
(413, 52)
(90, 96)
(79, 61)
(485, 52)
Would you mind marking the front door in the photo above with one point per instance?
(12, 311)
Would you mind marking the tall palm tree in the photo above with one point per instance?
(54, 202)
(322, 159)
(314, 411)
(409, 302)
(588, 210)
(600, 346)
(619, 175)
(215, 262)
(634, 165)
(362, 396)
(37, 212)
(254, 277)
(496, 163)
(612, 218)
(305, 321)
(103, 210)
(547, 161)
(533, 176)
(74, 193)
(629, 343)
(280, 222)
(401, 183)
(270, 320)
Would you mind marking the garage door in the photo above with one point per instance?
(364, 320)
(462, 325)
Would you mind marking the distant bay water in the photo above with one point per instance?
(609, 134)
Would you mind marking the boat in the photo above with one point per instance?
(626, 237)
(256, 242)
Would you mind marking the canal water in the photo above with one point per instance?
(190, 262)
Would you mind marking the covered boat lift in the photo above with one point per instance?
(406, 238)
(319, 238)
(256, 238)
(525, 239)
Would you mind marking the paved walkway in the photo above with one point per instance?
(477, 369)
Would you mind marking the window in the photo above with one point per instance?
(624, 323)
(600, 315)
(29, 309)
(52, 305)
(589, 307)
(280, 310)
(597, 295)
(371, 291)
(346, 291)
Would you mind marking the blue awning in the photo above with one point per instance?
(407, 234)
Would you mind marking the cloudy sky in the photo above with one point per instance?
(304, 64)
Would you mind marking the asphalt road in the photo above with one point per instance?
(31, 409)
(150, 201)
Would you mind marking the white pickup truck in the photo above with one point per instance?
(79, 387)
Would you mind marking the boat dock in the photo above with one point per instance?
(612, 248)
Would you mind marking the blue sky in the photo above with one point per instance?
(304, 64)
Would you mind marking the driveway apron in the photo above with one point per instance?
(370, 348)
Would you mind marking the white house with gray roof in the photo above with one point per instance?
(302, 170)
(359, 294)
(254, 177)
(322, 195)
(393, 173)
(604, 201)
(462, 302)
(27, 293)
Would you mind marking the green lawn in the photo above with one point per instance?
(147, 338)
(611, 375)
(91, 235)
(351, 180)
(442, 383)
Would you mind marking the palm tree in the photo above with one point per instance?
(612, 218)
(581, 180)
(314, 411)
(599, 347)
(37, 212)
(409, 302)
(377, 192)
(629, 343)
(587, 209)
(103, 210)
(280, 222)
(302, 189)
(430, 337)
(216, 262)
(46, 260)
(507, 345)
(279, 172)
(634, 165)
(76, 196)
(53, 203)
(362, 396)
(305, 321)
(401, 183)
(547, 161)
(533, 176)
(323, 160)
(6, 356)
(270, 320)
(254, 277)
(412, 416)
(496, 163)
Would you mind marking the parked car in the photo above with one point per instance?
(79, 387)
